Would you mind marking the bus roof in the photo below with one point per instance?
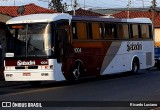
(59, 16)
(116, 20)
(39, 18)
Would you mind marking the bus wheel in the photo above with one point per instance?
(158, 67)
(35, 83)
(135, 66)
(77, 70)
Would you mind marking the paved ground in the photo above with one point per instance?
(1, 74)
(4, 83)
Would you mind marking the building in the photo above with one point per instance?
(8, 12)
(82, 12)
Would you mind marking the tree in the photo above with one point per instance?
(57, 5)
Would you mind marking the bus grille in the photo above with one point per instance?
(149, 59)
(26, 67)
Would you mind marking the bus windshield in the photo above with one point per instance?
(30, 40)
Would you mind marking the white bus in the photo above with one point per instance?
(45, 47)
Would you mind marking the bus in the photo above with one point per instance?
(46, 47)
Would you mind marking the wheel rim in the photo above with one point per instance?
(135, 67)
(76, 72)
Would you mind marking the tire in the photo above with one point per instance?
(158, 67)
(77, 71)
(35, 83)
(135, 66)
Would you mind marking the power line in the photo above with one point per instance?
(153, 11)
(103, 4)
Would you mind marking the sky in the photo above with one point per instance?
(88, 3)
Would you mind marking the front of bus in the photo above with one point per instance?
(30, 52)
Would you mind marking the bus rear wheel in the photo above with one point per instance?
(35, 83)
(135, 66)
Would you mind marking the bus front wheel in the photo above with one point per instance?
(77, 71)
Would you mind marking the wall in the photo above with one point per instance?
(157, 36)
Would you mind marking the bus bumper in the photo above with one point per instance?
(41, 75)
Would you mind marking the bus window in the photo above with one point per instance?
(82, 30)
(135, 31)
(109, 31)
(96, 30)
(79, 30)
(62, 24)
(150, 31)
(89, 29)
(145, 31)
(74, 31)
(122, 31)
(125, 31)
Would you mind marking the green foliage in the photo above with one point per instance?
(57, 5)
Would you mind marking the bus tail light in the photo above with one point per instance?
(46, 67)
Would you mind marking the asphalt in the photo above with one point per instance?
(4, 83)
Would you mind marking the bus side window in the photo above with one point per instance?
(74, 30)
(96, 30)
(122, 31)
(119, 31)
(135, 33)
(126, 31)
(150, 31)
(109, 31)
(79, 30)
(145, 31)
(89, 30)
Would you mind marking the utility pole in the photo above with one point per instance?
(143, 3)
(84, 4)
(74, 6)
(153, 11)
(129, 6)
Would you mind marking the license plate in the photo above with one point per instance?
(26, 74)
